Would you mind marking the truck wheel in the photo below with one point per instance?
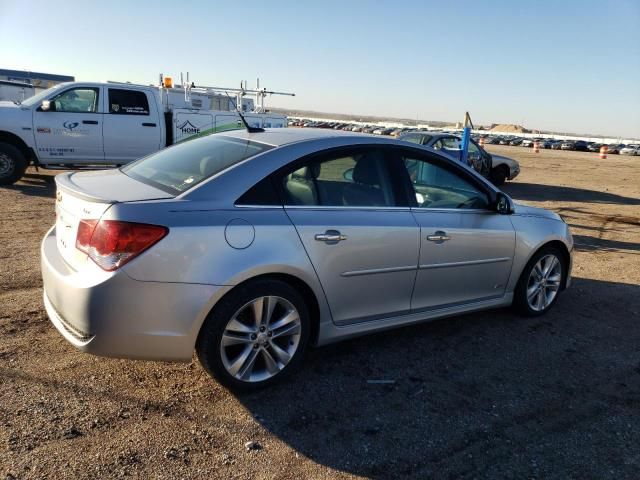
(12, 164)
(499, 175)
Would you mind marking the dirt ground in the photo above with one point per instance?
(486, 395)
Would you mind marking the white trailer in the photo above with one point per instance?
(11, 91)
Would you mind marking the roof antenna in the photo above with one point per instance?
(246, 125)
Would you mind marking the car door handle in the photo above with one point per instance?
(439, 237)
(90, 122)
(149, 125)
(330, 236)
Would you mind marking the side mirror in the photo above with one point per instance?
(504, 205)
(348, 175)
(46, 105)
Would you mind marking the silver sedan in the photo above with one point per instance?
(249, 247)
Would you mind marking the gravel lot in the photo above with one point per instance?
(486, 395)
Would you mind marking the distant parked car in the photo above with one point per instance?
(494, 167)
(630, 150)
(577, 145)
(557, 145)
(581, 146)
(594, 147)
(614, 148)
(527, 142)
(515, 142)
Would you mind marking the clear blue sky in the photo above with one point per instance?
(558, 65)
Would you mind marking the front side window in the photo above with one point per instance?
(76, 100)
(181, 167)
(436, 186)
(128, 102)
(358, 178)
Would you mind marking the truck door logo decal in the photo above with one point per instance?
(188, 128)
(70, 125)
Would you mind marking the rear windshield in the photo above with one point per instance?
(179, 168)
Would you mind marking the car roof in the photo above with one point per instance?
(283, 136)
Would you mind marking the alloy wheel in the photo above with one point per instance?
(544, 282)
(260, 339)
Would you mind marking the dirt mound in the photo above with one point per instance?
(508, 128)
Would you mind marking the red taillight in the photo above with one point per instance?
(83, 238)
(112, 243)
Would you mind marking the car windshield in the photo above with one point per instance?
(181, 167)
(37, 99)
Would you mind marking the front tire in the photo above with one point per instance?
(499, 175)
(255, 336)
(13, 164)
(540, 282)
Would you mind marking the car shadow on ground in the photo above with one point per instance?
(538, 192)
(483, 395)
(590, 244)
(35, 184)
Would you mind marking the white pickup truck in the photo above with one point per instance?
(79, 124)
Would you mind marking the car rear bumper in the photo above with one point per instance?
(113, 315)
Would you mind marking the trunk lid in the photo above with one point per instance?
(87, 196)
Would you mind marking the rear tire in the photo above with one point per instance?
(255, 336)
(13, 164)
(499, 175)
(537, 291)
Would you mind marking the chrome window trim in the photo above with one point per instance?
(336, 207)
(451, 210)
(269, 207)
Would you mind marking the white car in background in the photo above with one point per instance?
(630, 150)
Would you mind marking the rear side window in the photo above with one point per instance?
(262, 193)
(128, 102)
(353, 178)
(181, 167)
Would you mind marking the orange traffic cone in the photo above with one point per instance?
(604, 149)
(536, 147)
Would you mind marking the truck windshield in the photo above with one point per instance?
(37, 99)
(182, 166)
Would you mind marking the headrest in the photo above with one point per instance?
(366, 171)
(308, 172)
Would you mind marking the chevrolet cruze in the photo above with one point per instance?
(248, 247)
